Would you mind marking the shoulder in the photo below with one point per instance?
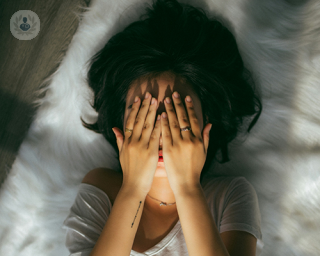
(237, 188)
(222, 182)
(228, 182)
(241, 184)
(105, 179)
(230, 189)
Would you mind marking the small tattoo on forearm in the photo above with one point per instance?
(136, 214)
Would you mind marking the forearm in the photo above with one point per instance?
(121, 227)
(200, 231)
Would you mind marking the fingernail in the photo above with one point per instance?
(147, 95)
(136, 99)
(176, 95)
(164, 115)
(158, 118)
(188, 98)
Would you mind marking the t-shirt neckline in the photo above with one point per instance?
(162, 244)
(154, 249)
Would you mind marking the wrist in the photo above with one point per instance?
(187, 189)
(133, 190)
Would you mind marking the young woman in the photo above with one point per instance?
(164, 202)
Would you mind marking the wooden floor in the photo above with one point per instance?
(24, 64)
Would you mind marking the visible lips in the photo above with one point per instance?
(160, 152)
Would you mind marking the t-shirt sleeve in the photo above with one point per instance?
(86, 220)
(241, 208)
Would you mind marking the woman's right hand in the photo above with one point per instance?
(139, 150)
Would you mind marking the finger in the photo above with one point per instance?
(149, 122)
(206, 136)
(137, 121)
(131, 118)
(193, 120)
(182, 115)
(119, 138)
(166, 134)
(155, 137)
(173, 121)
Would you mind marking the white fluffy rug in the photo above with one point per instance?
(279, 41)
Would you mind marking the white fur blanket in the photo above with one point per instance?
(280, 43)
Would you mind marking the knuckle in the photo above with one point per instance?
(130, 146)
(166, 134)
(150, 153)
(189, 145)
(137, 120)
(144, 104)
(185, 119)
(153, 135)
(146, 125)
(151, 110)
(190, 107)
(171, 110)
(195, 120)
(136, 108)
(175, 125)
(197, 142)
(193, 115)
(179, 103)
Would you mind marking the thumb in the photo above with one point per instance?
(206, 136)
(119, 138)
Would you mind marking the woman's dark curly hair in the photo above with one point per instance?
(181, 39)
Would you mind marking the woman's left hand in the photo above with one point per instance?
(184, 152)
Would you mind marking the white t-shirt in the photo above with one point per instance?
(233, 203)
